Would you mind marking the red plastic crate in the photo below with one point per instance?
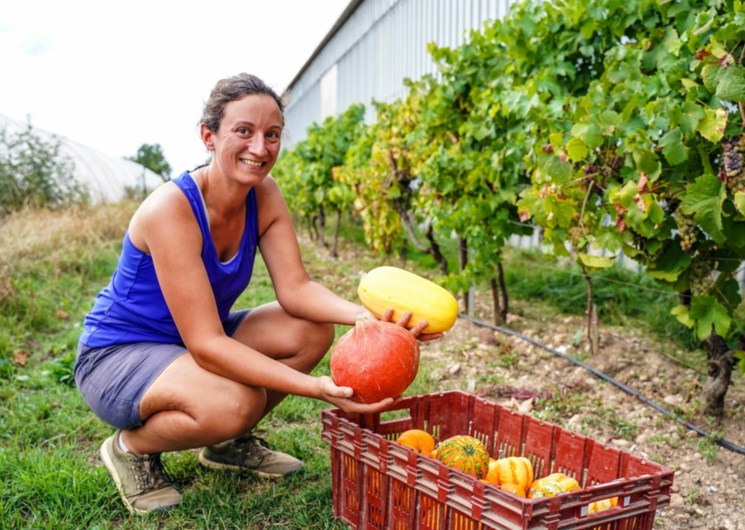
(379, 484)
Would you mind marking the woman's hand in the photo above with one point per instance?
(416, 330)
(340, 397)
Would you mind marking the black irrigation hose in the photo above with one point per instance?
(601, 375)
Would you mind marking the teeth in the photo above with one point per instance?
(252, 163)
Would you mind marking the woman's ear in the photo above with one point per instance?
(208, 137)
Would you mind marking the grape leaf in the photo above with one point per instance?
(647, 162)
(731, 86)
(711, 73)
(577, 149)
(609, 121)
(713, 125)
(589, 133)
(608, 238)
(691, 115)
(670, 263)
(710, 316)
(683, 315)
(559, 171)
(595, 262)
(740, 202)
(703, 200)
(673, 148)
(560, 212)
(729, 291)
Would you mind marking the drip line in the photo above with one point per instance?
(606, 377)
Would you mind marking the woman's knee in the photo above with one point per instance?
(314, 341)
(234, 412)
(324, 335)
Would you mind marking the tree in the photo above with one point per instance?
(151, 156)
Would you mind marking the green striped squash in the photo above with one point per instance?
(465, 453)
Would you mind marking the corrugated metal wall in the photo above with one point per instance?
(382, 43)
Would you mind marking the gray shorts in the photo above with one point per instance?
(113, 379)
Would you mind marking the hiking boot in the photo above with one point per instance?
(141, 479)
(251, 453)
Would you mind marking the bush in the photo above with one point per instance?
(34, 173)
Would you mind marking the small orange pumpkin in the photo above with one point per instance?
(511, 470)
(418, 440)
(465, 453)
(552, 485)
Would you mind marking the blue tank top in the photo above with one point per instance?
(131, 308)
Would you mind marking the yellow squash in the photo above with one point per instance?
(390, 287)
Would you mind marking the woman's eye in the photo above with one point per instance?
(243, 130)
(273, 135)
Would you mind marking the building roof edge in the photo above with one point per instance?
(350, 9)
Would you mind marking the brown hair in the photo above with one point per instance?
(232, 89)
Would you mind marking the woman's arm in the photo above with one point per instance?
(295, 291)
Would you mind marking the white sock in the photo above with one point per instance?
(222, 444)
(122, 445)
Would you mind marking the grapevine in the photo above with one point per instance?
(609, 143)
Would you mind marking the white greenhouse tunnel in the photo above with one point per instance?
(106, 177)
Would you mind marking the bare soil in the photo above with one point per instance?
(709, 483)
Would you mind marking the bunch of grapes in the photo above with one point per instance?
(687, 229)
(591, 171)
(700, 277)
(733, 172)
(575, 235)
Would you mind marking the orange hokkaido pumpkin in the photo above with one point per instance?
(420, 441)
(511, 470)
(552, 485)
(465, 453)
(376, 359)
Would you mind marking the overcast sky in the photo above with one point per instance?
(115, 75)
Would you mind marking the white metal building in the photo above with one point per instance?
(106, 177)
(372, 48)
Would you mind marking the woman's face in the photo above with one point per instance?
(247, 143)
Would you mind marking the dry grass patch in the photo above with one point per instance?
(57, 239)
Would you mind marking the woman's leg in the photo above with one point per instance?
(188, 406)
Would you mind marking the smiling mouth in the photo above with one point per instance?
(252, 163)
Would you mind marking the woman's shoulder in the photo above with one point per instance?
(168, 196)
(268, 187)
(167, 203)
